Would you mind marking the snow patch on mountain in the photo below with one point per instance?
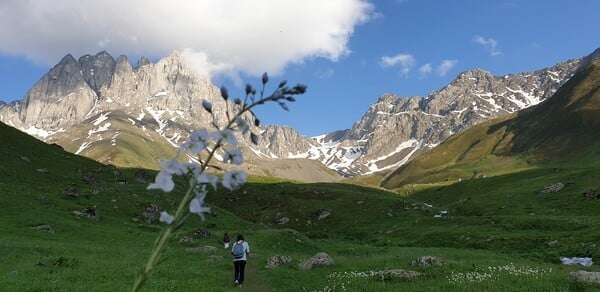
(102, 128)
(41, 133)
(83, 146)
(412, 143)
(103, 117)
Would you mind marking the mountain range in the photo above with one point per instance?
(560, 131)
(129, 116)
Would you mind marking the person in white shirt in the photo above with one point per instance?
(240, 251)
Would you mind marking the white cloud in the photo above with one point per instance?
(446, 66)
(217, 36)
(490, 44)
(425, 69)
(405, 61)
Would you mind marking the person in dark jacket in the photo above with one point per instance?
(226, 240)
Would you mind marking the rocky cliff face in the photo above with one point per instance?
(108, 110)
(134, 116)
(419, 123)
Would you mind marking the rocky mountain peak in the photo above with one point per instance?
(97, 70)
(143, 62)
(77, 104)
(122, 64)
(475, 73)
(67, 59)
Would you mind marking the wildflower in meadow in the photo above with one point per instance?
(204, 146)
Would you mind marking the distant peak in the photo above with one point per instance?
(122, 59)
(103, 54)
(175, 55)
(143, 62)
(475, 73)
(68, 58)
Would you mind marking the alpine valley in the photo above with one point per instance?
(488, 184)
(115, 113)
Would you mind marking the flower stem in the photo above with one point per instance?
(161, 242)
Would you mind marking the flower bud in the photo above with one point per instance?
(224, 92)
(283, 106)
(265, 78)
(248, 89)
(207, 106)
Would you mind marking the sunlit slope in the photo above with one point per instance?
(564, 128)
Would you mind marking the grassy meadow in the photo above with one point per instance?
(499, 232)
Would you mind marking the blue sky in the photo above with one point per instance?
(408, 47)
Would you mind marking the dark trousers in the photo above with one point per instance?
(239, 267)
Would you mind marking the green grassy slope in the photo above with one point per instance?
(565, 127)
(367, 230)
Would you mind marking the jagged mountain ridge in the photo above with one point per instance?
(161, 102)
(560, 130)
(110, 111)
(420, 123)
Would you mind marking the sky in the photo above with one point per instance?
(348, 52)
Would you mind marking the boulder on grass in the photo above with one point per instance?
(320, 259)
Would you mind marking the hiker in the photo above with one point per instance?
(239, 251)
(226, 240)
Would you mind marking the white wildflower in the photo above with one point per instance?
(163, 181)
(166, 217)
(234, 179)
(242, 125)
(173, 166)
(197, 208)
(226, 137)
(205, 178)
(197, 142)
(233, 156)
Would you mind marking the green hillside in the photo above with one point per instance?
(562, 130)
(495, 236)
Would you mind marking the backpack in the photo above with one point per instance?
(238, 250)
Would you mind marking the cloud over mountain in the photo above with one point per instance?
(216, 36)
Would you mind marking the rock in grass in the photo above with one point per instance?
(427, 261)
(552, 188)
(585, 277)
(151, 213)
(142, 176)
(90, 212)
(320, 259)
(592, 194)
(322, 214)
(201, 233)
(43, 227)
(276, 261)
(71, 191)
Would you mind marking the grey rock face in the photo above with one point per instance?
(97, 70)
(60, 98)
(79, 104)
(420, 123)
